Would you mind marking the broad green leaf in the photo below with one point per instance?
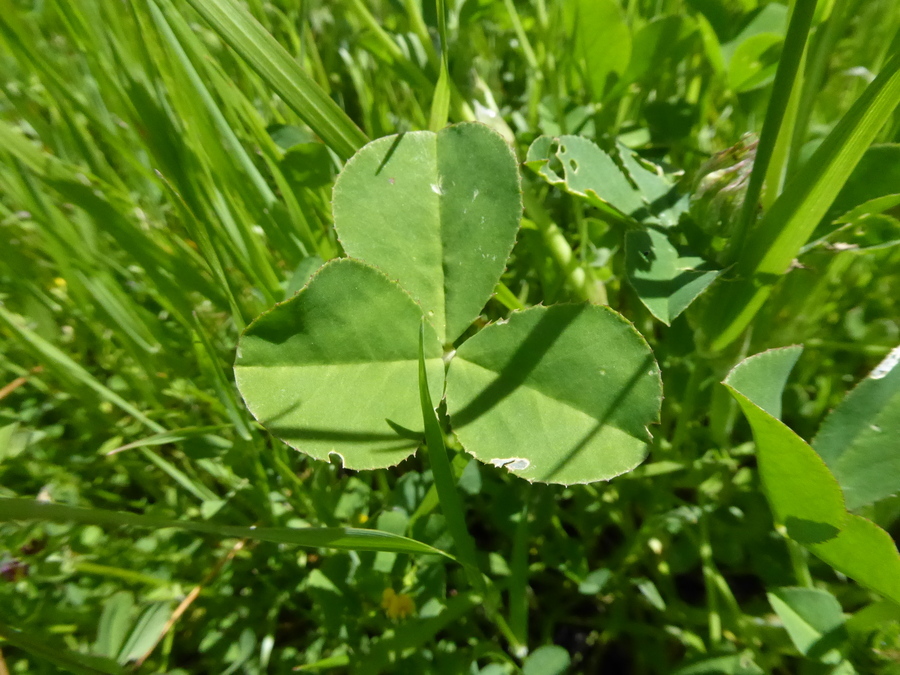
(115, 621)
(341, 538)
(775, 241)
(812, 617)
(437, 212)
(243, 33)
(547, 660)
(666, 280)
(732, 664)
(859, 438)
(865, 553)
(581, 168)
(334, 370)
(873, 617)
(602, 41)
(803, 494)
(559, 394)
(146, 632)
(658, 45)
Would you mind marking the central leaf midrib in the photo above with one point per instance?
(440, 199)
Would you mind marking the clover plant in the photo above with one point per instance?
(560, 394)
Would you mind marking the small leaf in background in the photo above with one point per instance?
(602, 41)
(859, 438)
(581, 168)
(595, 582)
(438, 212)
(115, 622)
(658, 44)
(772, 18)
(876, 177)
(666, 280)
(802, 492)
(327, 370)
(560, 394)
(813, 618)
(547, 660)
(754, 62)
(733, 664)
(146, 632)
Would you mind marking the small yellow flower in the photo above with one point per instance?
(362, 518)
(397, 605)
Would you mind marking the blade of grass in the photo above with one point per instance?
(782, 90)
(68, 660)
(67, 367)
(451, 504)
(776, 240)
(237, 27)
(341, 538)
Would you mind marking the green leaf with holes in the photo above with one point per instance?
(624, 188)
(666, 279)
(334, 370)
(560, 394)
(438, 212)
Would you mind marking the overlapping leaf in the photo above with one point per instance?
(666, 280)
(804, 495)
(559, 394)
(334, 370)
(859, 439)
(437, 212)
(583, 169)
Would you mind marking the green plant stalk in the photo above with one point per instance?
(518, 581)
(785, 83)
(799, 563)
(444, 482)
(777, 239)
(237, 27)
(557, 245)
(709, 581)
(506, 297)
